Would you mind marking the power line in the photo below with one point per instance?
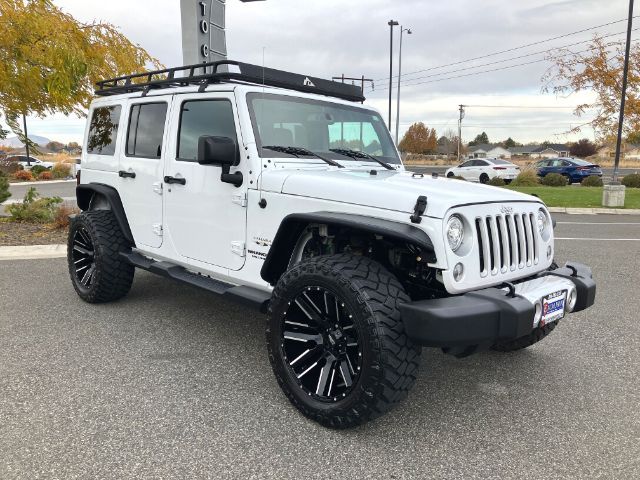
(514, 58)
(487, 71)
(516, 48)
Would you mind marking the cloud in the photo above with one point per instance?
(334, 37)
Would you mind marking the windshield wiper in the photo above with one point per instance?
(297, 151)
(356, 154)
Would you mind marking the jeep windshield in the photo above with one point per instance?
(331, 130)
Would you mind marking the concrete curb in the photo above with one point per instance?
(42, 182)
(15, 200)
(595, 211)
(33, 252)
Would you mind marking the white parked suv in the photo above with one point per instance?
(484, 169)
(284, 192)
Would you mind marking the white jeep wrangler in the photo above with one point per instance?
(283, 192)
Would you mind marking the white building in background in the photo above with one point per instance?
(485, 150)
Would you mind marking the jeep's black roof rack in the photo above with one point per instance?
(204, 74)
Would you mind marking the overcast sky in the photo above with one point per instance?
(333, 37)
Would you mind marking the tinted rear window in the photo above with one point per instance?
(577, 161)
(103, 130)
(497, 161)
(146, 129)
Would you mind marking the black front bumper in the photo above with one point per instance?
(481, 318)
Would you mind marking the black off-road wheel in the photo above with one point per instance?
(526, 341)
(336, 341)
(98, 273)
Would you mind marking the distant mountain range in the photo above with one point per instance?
(14, 142)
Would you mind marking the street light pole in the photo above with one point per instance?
(391, 23)
(625, 74)
(402, 30)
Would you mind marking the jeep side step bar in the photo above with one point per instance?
(251, 297)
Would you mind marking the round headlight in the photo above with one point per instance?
(455, 232)
(542, 221)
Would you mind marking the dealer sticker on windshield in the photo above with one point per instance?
(553, 307)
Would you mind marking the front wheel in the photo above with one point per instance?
(484, 178)
(450, 175)
(336, 342)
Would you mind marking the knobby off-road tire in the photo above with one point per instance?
(382, 361)
(526, 341)
(98, 273)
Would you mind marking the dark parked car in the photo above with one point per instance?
(574, 169)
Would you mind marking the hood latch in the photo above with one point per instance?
(418, 210)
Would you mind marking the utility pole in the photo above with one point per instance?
(391, 23)
(26, 138)
(361, 79)
(625, 74)
(460, 130)
(402, 30)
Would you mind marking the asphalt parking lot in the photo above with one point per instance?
(173, 382)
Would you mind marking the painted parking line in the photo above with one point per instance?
(598, 223)
(600, 239)
(33, 252)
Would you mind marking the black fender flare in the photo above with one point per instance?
(291, 228)
(84, 194)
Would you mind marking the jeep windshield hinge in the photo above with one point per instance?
(419, 209)
(239, 199)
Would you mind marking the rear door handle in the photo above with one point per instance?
(170, 180)
(125, 174)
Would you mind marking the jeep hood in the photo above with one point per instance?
(387, 190)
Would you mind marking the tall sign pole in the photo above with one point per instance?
(625, 74)
(203, 30)
(391, 23)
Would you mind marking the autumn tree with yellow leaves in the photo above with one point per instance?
(598, 69)
(419, 139)
(49, 61)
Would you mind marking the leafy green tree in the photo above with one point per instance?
(49, 61)
(634, 137)
(480, 139)
(510, 143)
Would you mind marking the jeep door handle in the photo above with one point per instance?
(125, 174)
(170, 180)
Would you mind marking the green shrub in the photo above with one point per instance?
(37, 170)
(496, 182)
(4, 187)
(458, 177)
(61, 170)
(554, 180)
(591, 181)
(526, 178)
(34, 209)
(632, 180)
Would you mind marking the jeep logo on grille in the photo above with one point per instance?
(506, 210)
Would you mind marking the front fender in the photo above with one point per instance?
(292, 226)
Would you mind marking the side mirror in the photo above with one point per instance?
(221, 151)
(217, 151)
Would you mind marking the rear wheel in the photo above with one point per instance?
(336, 341)
(98, 273)
(569, 180)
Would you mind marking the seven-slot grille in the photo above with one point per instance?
(507, 242)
